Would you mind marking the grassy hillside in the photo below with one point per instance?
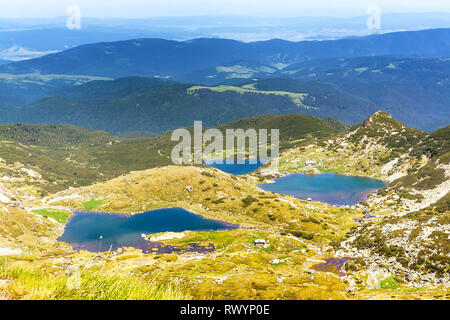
(33, 266)
(293, 228)
(366, 150)
(49, 158)
(24, 232)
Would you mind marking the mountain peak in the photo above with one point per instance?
(382, 120)
(378, 116)
(385, 130)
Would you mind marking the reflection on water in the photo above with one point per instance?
(99, 232)
(234, 168)
(329, 188)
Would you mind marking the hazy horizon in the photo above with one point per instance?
(230, 16)
(143, 9)
(64, 24)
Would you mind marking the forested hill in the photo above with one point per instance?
(154, 106)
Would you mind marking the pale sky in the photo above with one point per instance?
(158, 8)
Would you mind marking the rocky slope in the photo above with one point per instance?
(414, 163)
(414, 247)
(406, 234)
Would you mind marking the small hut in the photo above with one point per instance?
(310, 163)
(260, 242)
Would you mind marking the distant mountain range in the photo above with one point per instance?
(174, 59)
(403, 73)
(416, 91)
(38, 36)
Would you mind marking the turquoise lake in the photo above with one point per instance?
(235, 168)
(329, 188)
(103, 231)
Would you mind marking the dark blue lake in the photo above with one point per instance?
(234, 168)
(84, 230)
(330, 188)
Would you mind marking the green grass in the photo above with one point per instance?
(59, 215)
(220, 239)
(297, 98)
(91, 204)
(340, 169)
(389, 283)
(35, 284)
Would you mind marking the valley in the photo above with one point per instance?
(226, 80)
(299, 235)
(92, 206)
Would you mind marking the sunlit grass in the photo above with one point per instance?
(59, 215)
(296, 98)
(89, 205)
(34, 284)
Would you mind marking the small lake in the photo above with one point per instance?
(234, 168)
(85, 229)
(334, 189)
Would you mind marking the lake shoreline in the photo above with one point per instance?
(131, 214)
(84, 229)
(296, 189)
(286, 173)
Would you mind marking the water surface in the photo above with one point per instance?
(103, 231)
(329, 188)
(332, 265)
(234, 168)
